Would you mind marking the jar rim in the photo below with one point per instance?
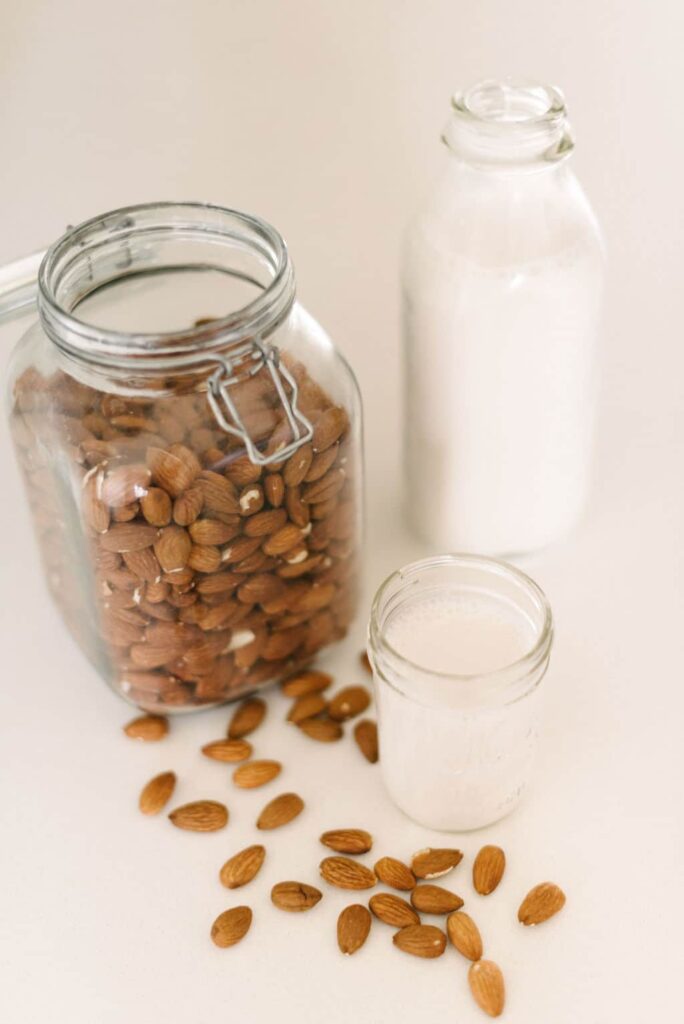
(519, 669)
(206, 220)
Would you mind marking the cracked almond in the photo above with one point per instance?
(295, 897)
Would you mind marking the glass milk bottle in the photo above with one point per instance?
(502, 283)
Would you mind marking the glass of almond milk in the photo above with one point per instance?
(459, 645)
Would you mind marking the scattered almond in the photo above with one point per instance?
(393, 910)
(200, 816)
(348, 840)
(228, 751)
(464, 935)
(346, 873)
(365, 662)
(231, 926)
(488, 869)
(157, 793)
(541, 903)
(147, 727)
(394, 873)
(246, 718)
(433, 863)
(366, 736)
(432, 899)
(242, 867)
(424, 940)
(256, 773)
(348, 703)
(306, 682)
(487, 986)
(321, 729)
(280, 811)
(306, 706)
(295, 896)
(353, 926)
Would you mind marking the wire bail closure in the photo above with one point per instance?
(219, 399)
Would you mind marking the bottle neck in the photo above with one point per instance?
(509, 126)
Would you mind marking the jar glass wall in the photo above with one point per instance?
(190, 441)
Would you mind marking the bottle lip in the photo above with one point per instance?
(509, 122)
(121, 242)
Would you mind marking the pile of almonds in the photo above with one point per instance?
(343, 868)
(209, 575)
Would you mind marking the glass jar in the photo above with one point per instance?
(459, 646)
(502, 284)
(189, 438)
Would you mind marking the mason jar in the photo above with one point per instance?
(189, 439)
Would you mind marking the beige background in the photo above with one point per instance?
(324, 118)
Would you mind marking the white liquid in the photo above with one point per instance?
(447, 761)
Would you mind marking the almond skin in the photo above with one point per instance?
(395, 874)
(306, 682)
(200, 816)
(149, 728)
(231, 926)
(433, 863)
(541, 903)
(307, 706)
(321, 729)
(346, 873)
(487, 986)
(242, 867)
(424, 940)
(488, 869)
(366, 736)
(228, 751)
(432, 899)
(393, 910)
(464, 935)
(157, 793)
(353, 926)
(295, 897)
(348, 703)
(256, 773)
(348, 840)
(280, 811)
(246, 718)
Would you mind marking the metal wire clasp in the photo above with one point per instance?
(219, 399)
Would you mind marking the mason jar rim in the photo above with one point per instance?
(195, 219)
(520, 669)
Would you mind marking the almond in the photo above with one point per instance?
(204, 558)
(228, 751)
(265, 523)
(129, 537)
(395, 874)
(211, 532)
(353, 927)
(231, 926)
(306, 682)
(240, 549)
(321, 464)
(393, 910)
(348, 703)
(280, 811)
(348, 840)
(488, 869)
(366, 736)
(144, 564)
(156, 794)
(330, 426)
(432, 899)
(346, 873)
(169, 471)
(464, 935)
(306, 707)
(242, 471)
(261, 588)
(365, 662)
(424, 940)
(321, 729)
(296, 509)
(246, 718)
(541, 903)
(256, 773)
(323, 491)
(242, 867)
(156, 507)
(218, 493)
(200, 816)
(124, 484)
(173, 548)
(188, 506)
(433, 863)
(297, 466)
(148, 727)
(487, 986)
(282, 540)
(251, 499)
(295, 896)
